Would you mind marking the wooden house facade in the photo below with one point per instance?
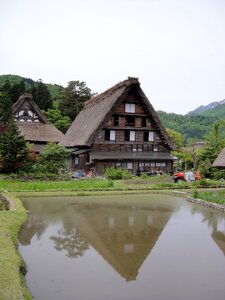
(119, 128)
(33, 124)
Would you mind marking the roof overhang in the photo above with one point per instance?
(132, 156)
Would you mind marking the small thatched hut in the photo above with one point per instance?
(220, 160)
(33, 125)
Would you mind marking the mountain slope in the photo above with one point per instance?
(16, 79)
(206, 109)
(193, 128)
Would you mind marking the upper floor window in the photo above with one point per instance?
(110, 135)
(148, 136)
(130, 136)
(129, 107)
(130, 120)
(116, 120)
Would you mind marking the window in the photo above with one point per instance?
(110, 135)
(130, 120)
(151, 136)
(116, 120)
(143, 121)
(162, 164)
(129, 165)
(148, 136)
(130, 136)
(76, 160)
(129, 108)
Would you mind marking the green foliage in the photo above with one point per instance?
(41, 95)
(215, 142)
(55, 117)
(185, 160)
(5, 108)
(176, 137)
(193, 128)
(52, 159)
(13, 148)
(195, 193)
(72, 98)
(215, 196)
(117, 173)
(15, 80)
(12, 283)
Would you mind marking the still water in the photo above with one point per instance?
(136, 247)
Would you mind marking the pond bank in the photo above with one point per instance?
(12, 282)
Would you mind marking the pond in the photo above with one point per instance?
(135, 247)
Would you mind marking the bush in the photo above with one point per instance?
(117, 173)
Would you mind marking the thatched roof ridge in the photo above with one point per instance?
(42, 131)
(100, 97)
(98, 108)
(220, 160)
(28, 97)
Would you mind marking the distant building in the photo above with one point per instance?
(119, 128)
(220, 160)
(33, 125)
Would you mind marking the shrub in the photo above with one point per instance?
(117, 173)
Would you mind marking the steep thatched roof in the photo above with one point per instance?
(41, 131)
(98, 108)
(220, 160)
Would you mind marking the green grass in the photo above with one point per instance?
(73, 185)
(212, 196)
(12, 283)
(93, 184)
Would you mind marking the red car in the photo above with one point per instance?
(186, 176)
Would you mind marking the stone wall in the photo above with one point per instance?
(207, 204)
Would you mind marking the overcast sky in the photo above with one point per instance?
(175, 47)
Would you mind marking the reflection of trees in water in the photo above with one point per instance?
(34, 225)
(72, 242)
(216, 221)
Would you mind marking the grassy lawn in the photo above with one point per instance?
(12, 285)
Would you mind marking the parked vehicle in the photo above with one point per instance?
(186, 176)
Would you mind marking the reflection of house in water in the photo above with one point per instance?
(123, 235)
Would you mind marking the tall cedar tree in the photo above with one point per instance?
(41, 95)
(72, 98)
(15, 90)
(13, 149)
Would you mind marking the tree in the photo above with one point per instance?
(72, 98)
(215, 142)
(5, 107)
(55, 117)
(13, 149)
(52, 159)
(41, 95)
(17, 90)
(176, 137)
